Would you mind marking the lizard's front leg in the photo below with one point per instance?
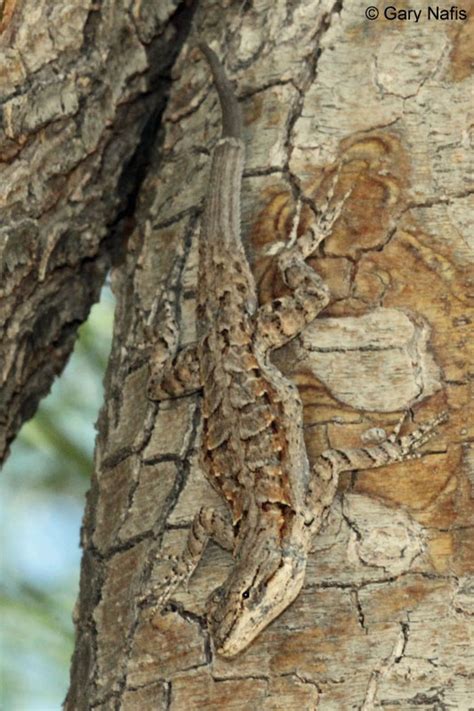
(392, 449)
(207, 524)
(173, 371)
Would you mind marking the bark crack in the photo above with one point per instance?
(382, 670)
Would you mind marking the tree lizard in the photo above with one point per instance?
(253, 450)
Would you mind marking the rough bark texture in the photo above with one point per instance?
(81, 86)
(385, 617)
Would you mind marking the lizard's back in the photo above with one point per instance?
(252, 421)
(247, 449)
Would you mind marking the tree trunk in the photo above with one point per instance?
(385, 616)
(81, 89)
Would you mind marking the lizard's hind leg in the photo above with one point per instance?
(207, 524)
(389, 450)
(174, 376)
(284, 318)
(393, 449)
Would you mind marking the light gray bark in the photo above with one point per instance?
(81, 89)
(385, 617)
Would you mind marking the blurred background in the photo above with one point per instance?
(42, 489)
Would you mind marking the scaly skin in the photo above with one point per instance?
(253, 450)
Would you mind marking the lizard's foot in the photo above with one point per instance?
(160, 592)
(307, 243)
(330, 212)
(376, 435)
(410, 443)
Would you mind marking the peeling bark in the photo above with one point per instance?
(385, 617)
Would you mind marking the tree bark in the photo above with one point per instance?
(81, 89)
(385, 617)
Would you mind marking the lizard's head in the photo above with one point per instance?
(257, 590)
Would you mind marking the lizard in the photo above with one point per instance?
(253, 451)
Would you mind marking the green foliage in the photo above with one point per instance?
(42, 490)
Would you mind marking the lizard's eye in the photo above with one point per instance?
(246, 595)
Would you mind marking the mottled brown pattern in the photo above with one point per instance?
(253, 451)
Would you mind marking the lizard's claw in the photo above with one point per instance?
(409, 443)
(162, 590)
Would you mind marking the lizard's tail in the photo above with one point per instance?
(231, 114)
